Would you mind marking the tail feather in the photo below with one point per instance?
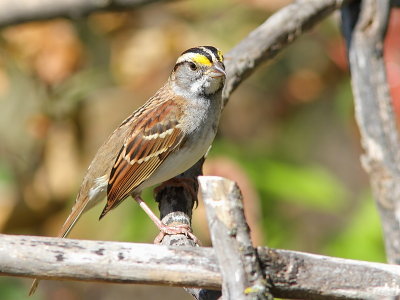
(73, 217)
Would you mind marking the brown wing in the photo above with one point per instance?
(155, 135)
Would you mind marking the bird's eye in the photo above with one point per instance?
(192, 66)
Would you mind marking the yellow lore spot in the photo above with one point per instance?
(220, 56)
(202, 60)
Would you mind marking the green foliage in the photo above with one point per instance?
(296, 197)
(5, 173)
(13, 289)
(311, 186)
(138, 226)
(361, 237)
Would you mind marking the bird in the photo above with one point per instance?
(163, 138)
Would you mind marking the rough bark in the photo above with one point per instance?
(271, 37)
(364, 27)
(292, 274)
(230, 235)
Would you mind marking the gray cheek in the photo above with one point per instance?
(212, 86)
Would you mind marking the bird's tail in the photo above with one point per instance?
(73, 217)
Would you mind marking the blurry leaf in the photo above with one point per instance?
(8, 198)
(126, 223)
(13, 289)
(361, 237)
(4, 82)
(344, 101)
(51, 49)
(138, 226)
(271, 5)
(305, 85)
(5, 173)
(312, 186)
(309, 185)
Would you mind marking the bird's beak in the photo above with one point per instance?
(217, 70)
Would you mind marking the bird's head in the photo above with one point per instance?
(199, 71)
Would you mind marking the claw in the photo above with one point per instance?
(175, 229)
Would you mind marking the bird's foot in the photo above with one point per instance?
(175, 229)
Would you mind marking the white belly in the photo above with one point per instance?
(178, 162)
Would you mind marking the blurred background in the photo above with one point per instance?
(288, 135)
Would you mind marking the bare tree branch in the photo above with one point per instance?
(14, 12)
(310, 276)
(277, 32)
(54, 258)
(292, 274)
(230, 235)
(364, 27)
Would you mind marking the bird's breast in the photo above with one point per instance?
(199, 126)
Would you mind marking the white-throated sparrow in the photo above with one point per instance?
(161, 139)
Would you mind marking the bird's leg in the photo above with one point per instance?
(165, 229)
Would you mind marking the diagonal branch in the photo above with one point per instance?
(277, 32)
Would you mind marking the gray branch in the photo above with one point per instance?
(309, 276)
(230, 235)
(364, 27)
(69, 259)
(15, 12)
(277, 32)
(293, 274)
